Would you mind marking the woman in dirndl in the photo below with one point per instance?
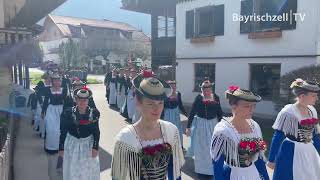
(113, 89)
(79, 139)
(296, 140)
(204, 115)
(130, 104)
(121, 89)
(149, 149)
(36, 102)
(172, 108)
(237, 148)
(51, 111)
(44, 91)
(124, 108)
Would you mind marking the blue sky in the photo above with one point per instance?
(104, 9)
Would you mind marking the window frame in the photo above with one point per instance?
(196, 87)
(216, 25)
(169, 31)
(265, 98)
(253, 25)
(197, 19)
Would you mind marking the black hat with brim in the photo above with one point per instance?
(308, 86)
(206, 84)
(151, 87)
(242, 94)
(82, 93)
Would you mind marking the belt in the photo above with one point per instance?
(293, 138)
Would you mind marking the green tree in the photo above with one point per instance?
(71, 54)
(309, 73)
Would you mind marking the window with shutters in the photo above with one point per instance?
(201, 71)
(205, 21)
(189, 24)
(166, 27)
(270, 7)
(265, 80)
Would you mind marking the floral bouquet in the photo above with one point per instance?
(307, 127)
(155, 154)
(248, 149)
(309, 123)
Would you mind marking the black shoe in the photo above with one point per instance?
(204, 177)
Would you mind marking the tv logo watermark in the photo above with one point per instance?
(284, 17)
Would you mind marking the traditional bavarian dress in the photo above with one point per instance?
(52, 107)
(121, 92)
(136, 159)
(229, 162)
(43, 93)
(129, 107)
(203, 117)
(113, 91)
(79, 135)
(295, 145)
(171, 112)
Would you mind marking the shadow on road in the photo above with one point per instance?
(105, 160)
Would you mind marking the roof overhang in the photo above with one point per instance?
(33, 11)
(154, 7)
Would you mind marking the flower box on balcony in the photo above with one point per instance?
(206, 39)
(265, 34)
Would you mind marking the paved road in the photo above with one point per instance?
(111, 122)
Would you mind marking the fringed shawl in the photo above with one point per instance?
(288, 120)
(226, 139)
(126, 162)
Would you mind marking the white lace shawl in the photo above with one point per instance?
(288, 120)
(126, 162)
(226, 139)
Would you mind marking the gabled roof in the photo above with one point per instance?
(64, 21)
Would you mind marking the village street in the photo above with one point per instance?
(30, 157)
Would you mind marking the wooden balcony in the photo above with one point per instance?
(159, 7)
(163, 51)
(25, 13)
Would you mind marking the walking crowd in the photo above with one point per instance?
(151, 147)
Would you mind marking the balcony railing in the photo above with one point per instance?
(10, 36)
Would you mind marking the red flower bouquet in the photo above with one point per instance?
(309, 122)
(147, 74)
(252, 145)
(150, 153)
(249, 148)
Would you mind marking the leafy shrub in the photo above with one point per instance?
(311, 73)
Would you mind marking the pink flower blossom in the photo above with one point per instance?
(233, 88)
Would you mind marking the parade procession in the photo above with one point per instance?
(223, 146)
(159, 90)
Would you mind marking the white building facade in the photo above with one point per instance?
(210, 43)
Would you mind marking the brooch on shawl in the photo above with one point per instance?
(248, 149)
(83, 121)
(207, 102)
(172, 98)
